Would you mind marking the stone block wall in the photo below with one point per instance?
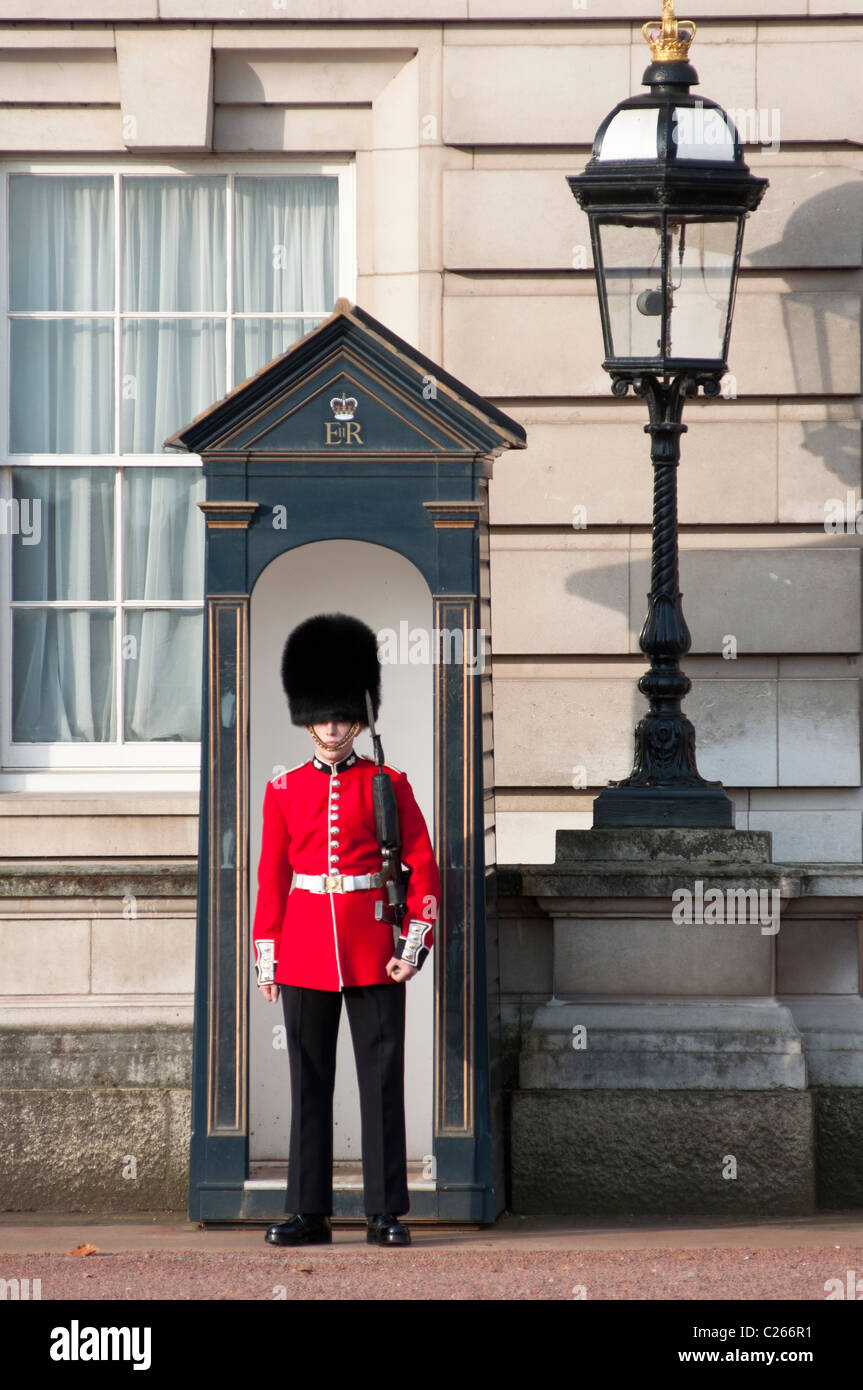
(97, 968)
(460, 120)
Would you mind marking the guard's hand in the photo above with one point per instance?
(400, 970)
(270, 992)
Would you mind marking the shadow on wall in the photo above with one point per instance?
(837, 214)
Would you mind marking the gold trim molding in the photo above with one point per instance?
(455, 611)
(228, 914)
(456, 516)
(229, 516)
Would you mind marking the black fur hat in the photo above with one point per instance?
(328, 664)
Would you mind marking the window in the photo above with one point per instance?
(135, 299)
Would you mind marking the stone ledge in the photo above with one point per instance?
(93, 878)
(649, 881)
(675, 1045)
(653, 863)
(672, 845)
(832, 1033)
(72, 1059)
(96, 803)
(640, 880)
(79, 1012)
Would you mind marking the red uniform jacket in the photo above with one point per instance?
(319, 819)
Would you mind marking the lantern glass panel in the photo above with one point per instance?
(703, 133)
(632, 271)
(701, 276)
(631, 134)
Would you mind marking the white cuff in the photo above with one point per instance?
(265, 960)
(414, 947)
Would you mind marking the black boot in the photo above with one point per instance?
(386, 1229)
(308, 1229)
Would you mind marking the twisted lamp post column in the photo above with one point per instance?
(664, 737)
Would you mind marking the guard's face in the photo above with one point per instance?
(332, 731)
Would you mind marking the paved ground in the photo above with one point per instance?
(164, 1257)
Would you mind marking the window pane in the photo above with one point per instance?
(258, 341)
(163, 675)
(70, 551)
(62, 676)
(61, 386)
(61, 252)
(163, 533)
(172, 370)
(285, 244)
(174, 255)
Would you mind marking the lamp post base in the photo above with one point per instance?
(657, 806)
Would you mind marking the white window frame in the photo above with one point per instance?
(158, 766)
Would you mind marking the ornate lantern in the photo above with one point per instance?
(667, 193)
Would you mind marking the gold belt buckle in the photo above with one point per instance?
(333, 883)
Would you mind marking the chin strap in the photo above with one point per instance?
(333, 747)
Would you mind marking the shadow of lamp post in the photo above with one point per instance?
(821, 328)
(667, 194)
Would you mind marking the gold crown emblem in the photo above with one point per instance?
(343, 406)
(670, 39)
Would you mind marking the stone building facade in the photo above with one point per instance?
(449, 127)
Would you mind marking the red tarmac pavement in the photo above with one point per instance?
(164, 1256)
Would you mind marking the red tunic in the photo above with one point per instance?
(319, 819)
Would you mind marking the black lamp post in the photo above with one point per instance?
(667, 193)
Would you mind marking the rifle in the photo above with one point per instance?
(394, 875)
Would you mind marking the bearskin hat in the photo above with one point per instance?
(328, 664)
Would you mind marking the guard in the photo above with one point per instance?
(325, 927)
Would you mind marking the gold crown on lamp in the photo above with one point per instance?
(670, 39)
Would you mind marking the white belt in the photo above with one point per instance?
(337, 883)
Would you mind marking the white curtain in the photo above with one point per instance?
(163, 675)
(62, 659)
(174, 244)
(61, 243)
(285, 259)
(172, 370)
(163, 560)
(258, 341)
(64, 397)
(174, 259)
(285, 244)
(61, 258)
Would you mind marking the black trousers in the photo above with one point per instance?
(376, 1014)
